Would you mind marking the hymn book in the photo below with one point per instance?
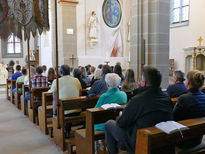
(111, 106)
(170, 127)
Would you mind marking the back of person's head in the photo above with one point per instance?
(24, 71)
(118, 70)
(44, 68)
(65, 70)
(113, 80)
(152, 76)
(11, 63)
(51, 73)
(83, 72)
(92, 69)
(100, 66)
(97, 74)
(106, 69)
(39, 70)
(179, 75)
(130, 76)
(195, 79)
(77, 73)
(18, 68)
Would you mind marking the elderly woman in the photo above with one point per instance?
(113, 95)
(191, 104)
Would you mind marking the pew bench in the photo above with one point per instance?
(13, 83)
(23, 107)
(150, 140)
(45, 112)
(8, 87)
(35, 101)
(18, 93)
(85, 138)
(81, 102)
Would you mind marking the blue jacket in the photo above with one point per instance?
(113, 95)
(175, 90)
(98, 88)
(190, 105)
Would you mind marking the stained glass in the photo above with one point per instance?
(10, 48)
(17, 47)
(176, 17)
(185, 13)
(13, 45)
(185, 2)
(176, 3)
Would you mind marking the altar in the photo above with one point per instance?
(195, 58)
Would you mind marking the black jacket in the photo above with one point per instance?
(149, 107)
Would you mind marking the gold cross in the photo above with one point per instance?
(200, 40)
(73, 59)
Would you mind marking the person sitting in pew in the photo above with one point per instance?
(113, 95)
(37, 81)
(17, 74)
(68, 86)
(146, 109)
(178, 88)
(100, 87)
(21, 79)
(77, 74)
(191, 104)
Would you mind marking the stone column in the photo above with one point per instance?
(67, 31)
(150, 36)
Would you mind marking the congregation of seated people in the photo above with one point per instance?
(148, 106)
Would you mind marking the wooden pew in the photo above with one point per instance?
(13, 83)
(152, 139)
(18, 93)
(83, 92)
(71, 104)
(25, 89)
(45, 112)
(85, 138)
(36, 93)
(8, 86)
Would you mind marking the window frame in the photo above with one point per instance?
(181, 22)
(4, 49)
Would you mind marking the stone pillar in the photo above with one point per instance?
(67, 31)
(150, 36)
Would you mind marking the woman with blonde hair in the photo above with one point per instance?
(191, 104)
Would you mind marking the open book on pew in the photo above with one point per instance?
(111, 106)
(170, 127)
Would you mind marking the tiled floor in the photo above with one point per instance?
(18, 135)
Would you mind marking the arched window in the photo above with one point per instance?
(12, 47)
(179, 12)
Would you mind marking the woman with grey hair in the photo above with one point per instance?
(113, 95)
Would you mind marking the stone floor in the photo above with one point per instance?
(18, 135)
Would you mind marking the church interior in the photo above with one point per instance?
(102, 76)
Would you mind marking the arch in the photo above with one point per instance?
(200, 62)
(188, 63)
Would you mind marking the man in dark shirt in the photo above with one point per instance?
(178, 88)
(147, 108)
(100, 87)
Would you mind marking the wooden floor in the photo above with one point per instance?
(18, 135)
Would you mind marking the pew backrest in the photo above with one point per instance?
(149, 139)
(81, 102)
(96, 116)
